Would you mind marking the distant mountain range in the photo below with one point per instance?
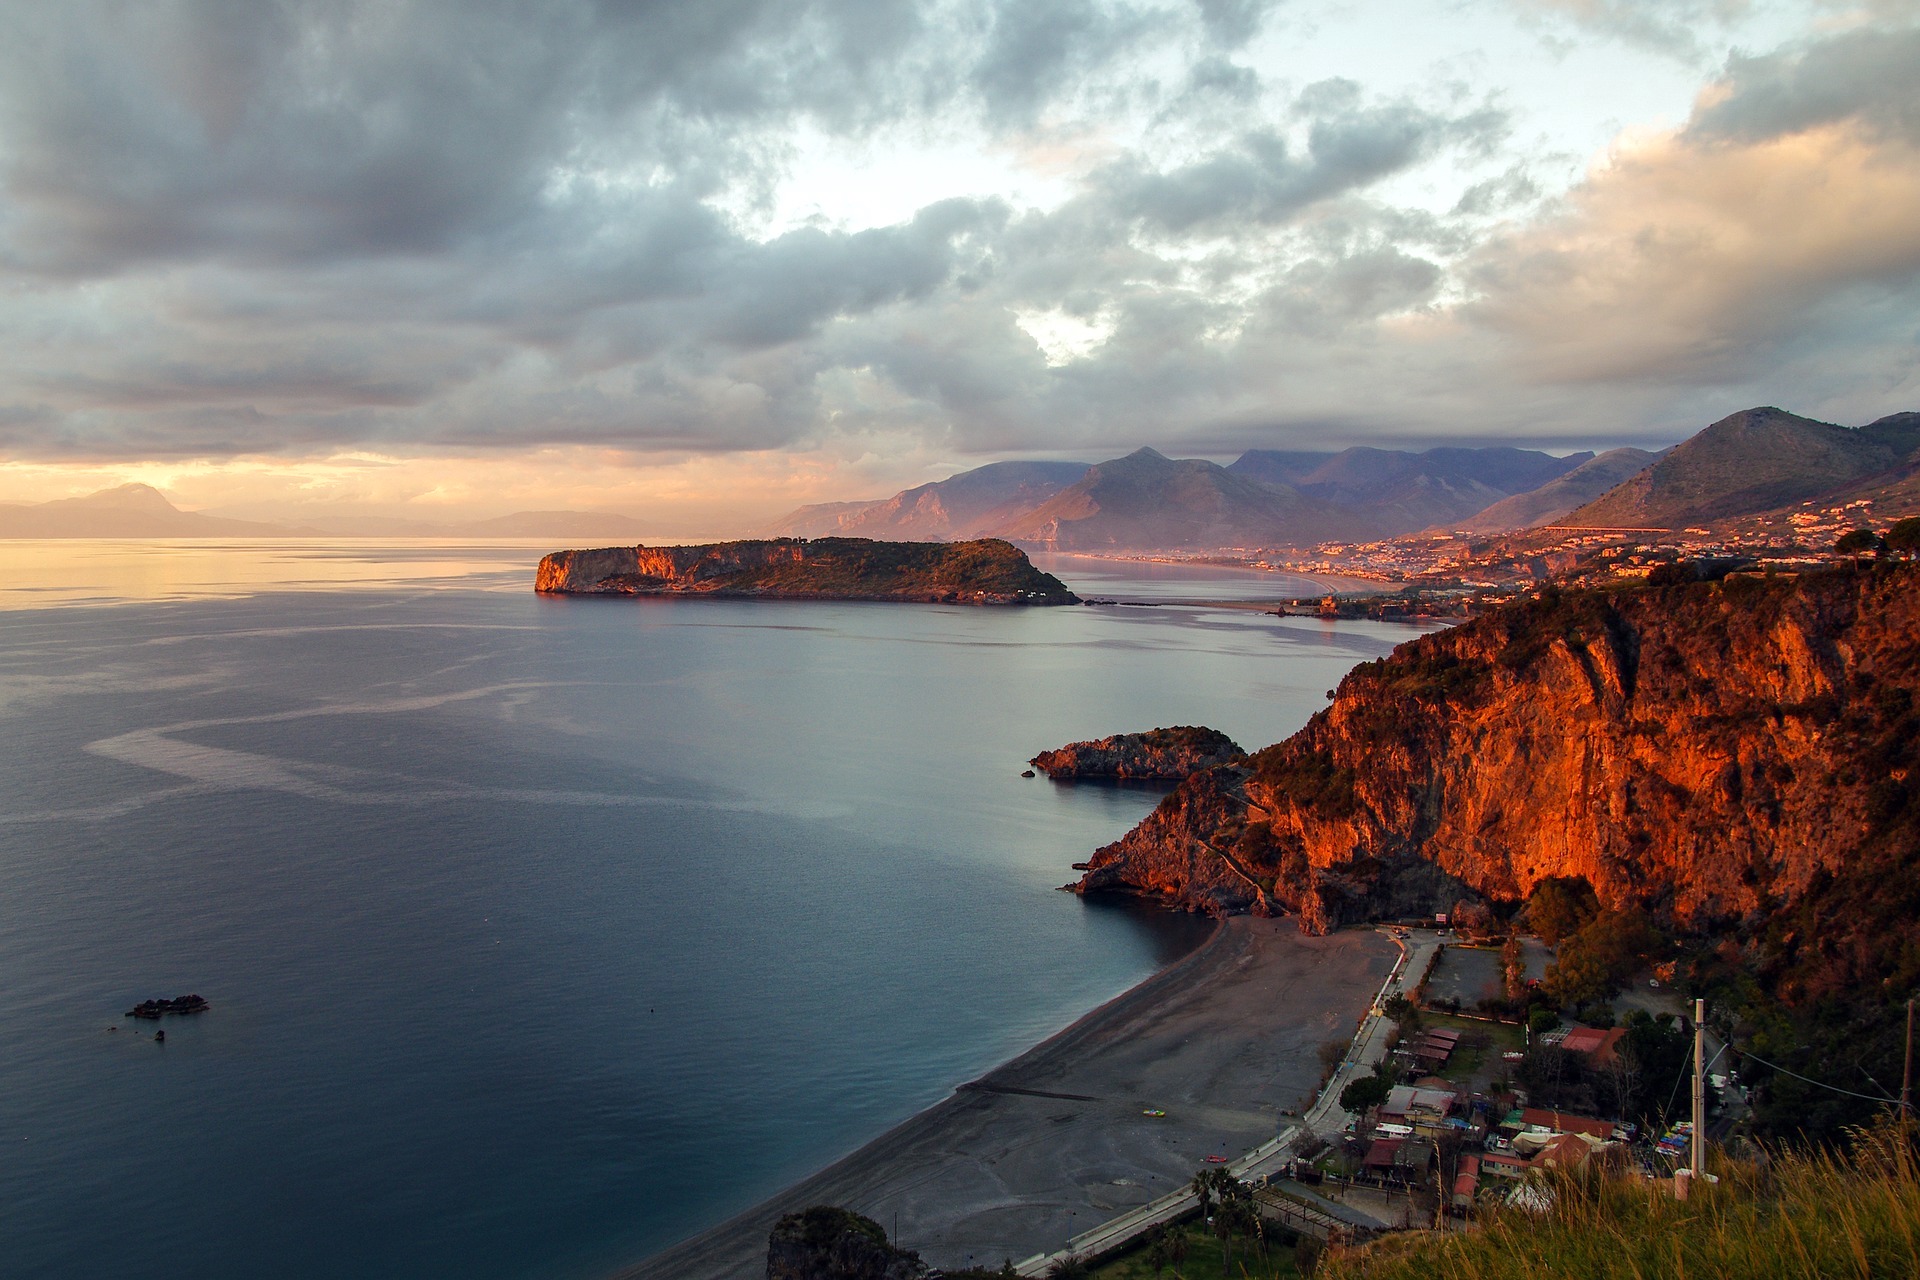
(961, 506)
(140, 511)
(1147, 501)
(1753, 469)
(1560, 495)
(1756, 463)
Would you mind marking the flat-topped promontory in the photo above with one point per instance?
(987, 571)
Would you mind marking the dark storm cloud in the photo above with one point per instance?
(289, 132)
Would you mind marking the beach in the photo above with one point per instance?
(1225, 1041)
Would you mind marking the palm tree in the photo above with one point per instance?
(1071, 1267)
(1203, 1187)
(1176, 1248)
(1157, 1251)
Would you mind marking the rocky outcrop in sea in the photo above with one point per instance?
(1160, 755)
(987, 571)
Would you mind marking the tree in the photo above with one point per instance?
(1559, 906)
(1157, 1251)
(1513, 967)
(1202, 1185)
(1236, 1216)
(1904, 537)
(1854, 541)
(1177, 1249)
(1071, 1267)
(1367, 1091)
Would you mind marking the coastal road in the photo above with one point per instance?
(1324, 1119)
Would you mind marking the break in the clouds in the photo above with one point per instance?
(860, 229)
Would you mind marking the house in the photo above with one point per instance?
(1465, 1183)
(1398, 1161)
(1424, 1111)
(1598, 1047)
(1552, 1121)
(1496, 1165)
(1433, 1048)
(1566, 1151)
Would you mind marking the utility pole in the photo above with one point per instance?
(1906, 1071)
(1698, 1147)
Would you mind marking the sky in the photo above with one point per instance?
(700, 263)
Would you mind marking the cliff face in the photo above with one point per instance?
(983, 572)
(1710, 751)
(1165, 755)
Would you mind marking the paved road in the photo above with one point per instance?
(1325, 1119)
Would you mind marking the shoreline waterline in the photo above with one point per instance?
(1056, 1139)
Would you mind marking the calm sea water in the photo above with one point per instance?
(539, 934)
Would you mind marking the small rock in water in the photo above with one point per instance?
(1026, 773)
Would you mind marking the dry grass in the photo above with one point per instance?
(1800, 1215)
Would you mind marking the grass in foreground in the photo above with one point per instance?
(1801, 1215)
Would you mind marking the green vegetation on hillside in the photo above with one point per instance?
(856, 566)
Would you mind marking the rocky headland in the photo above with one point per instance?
(1159, 755)
(1711, 751)
(986, 571)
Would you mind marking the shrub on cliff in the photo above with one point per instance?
(828, 1243)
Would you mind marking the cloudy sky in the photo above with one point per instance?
(702, 260)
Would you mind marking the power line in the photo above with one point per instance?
(1818, 1084)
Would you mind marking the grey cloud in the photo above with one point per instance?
(1665, 26)
(1867, 75)
(1216, 75)
(1233, 22)
(1036, 49)
(275, 132)
(1261, 179)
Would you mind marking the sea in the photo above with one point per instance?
(539, 933)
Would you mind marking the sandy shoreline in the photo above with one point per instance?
(1222, 1040)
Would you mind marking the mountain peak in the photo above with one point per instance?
(126, 497)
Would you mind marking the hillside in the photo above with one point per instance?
(980, 572)
(141, 511)
(1148, 501)
(1707, 751)
(130, 511)
(1399, 492)
(960, 506)
(1558, 496)
(1750, 462)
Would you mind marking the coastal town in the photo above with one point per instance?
(1443, 1106)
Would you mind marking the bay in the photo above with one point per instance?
(539, 933)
